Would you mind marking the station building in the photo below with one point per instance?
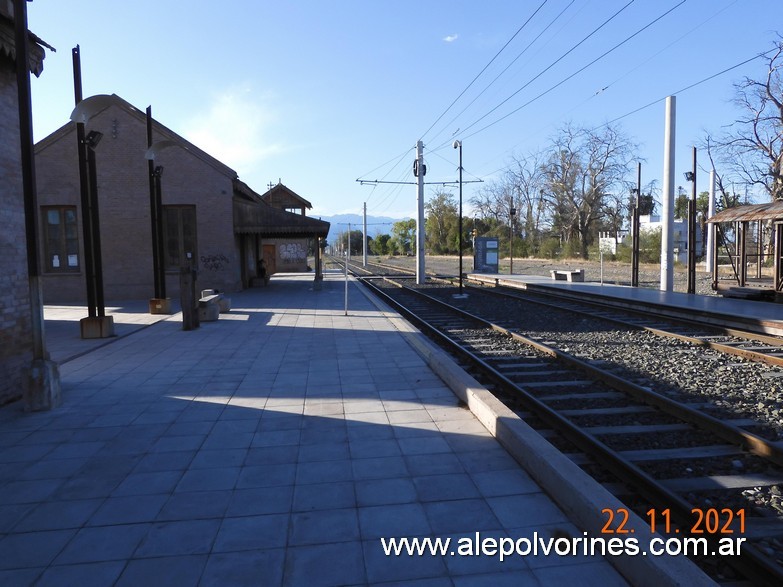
(209, 216)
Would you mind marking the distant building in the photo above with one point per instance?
(16, 335)
(207, 212)
(680, 235)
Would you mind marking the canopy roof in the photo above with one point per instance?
(252, 215)
(748, 212)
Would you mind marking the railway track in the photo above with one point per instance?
(631, 438)
(749, 345)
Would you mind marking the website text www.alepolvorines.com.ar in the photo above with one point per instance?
(504, 547)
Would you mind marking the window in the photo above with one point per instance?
(179, 235)
(61, 240)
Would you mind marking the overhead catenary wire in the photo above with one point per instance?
(577, 72)
(483, 69)
(548, 67)
(603, 89)
(686, 88)
(505, 69)
(662, 98)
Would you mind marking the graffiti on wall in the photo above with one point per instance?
(214, 262)
(293, 253)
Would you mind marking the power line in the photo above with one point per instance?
(680, 91)
(550, 66)
(484, 69)
(686, 88)
(544, 30)
(578, 71)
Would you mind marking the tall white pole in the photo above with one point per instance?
(347, 258)
(364, 232)
(667, 215)
(710, 227)
(420, 275)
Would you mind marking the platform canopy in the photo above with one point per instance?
(252, 215)
(750, 212)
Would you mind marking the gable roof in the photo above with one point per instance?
(253, 215)
(281, 196)
(115, 101)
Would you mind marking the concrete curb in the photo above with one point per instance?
(578, 495)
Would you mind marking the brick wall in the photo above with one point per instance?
(123, 190)
(15, 316)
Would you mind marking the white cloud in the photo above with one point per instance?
(451, 38)
(235, 129)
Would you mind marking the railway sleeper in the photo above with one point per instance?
(713, 482)
(607, 411)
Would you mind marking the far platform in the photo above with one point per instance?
(756, 316)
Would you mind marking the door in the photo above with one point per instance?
(269, 254)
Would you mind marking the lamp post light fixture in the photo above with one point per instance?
(159, 303)
(458, 145)
(97, 324)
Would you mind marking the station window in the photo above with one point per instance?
(179, 235)
(61, 239)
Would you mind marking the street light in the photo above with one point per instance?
(458, 145)
(97, 324)
(159, 304)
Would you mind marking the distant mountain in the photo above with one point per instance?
(375, 224)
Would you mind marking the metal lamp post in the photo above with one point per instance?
(512, 213)
(159, 304)
(97, 324)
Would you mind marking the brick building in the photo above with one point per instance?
(202, 200)
(16, 321)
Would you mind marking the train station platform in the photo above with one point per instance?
(276, 446)
(757, 316)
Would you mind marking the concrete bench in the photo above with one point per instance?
(567, 275)
(211, 304)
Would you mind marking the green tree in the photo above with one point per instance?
(380, 245)
(403, 235)
(442, 234)
(355, 239)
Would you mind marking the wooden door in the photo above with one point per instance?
(269, 255)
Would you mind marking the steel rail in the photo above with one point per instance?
(746, 353)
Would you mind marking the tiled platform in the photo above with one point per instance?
(273, 447)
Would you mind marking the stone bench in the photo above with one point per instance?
(211, 304)
(567, 275)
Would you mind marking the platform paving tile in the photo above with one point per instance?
(271, 447)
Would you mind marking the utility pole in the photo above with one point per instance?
(667, 214)
(364, 243)
(419, 170)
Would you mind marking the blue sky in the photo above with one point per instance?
(319, 93)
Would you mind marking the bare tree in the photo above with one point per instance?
(526, 184)
(585, 166)
(752, 149)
